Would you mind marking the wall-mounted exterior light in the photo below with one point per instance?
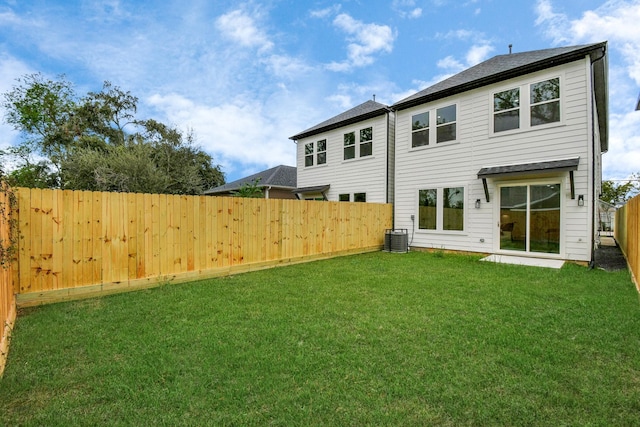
(477, 203)
(580, 199)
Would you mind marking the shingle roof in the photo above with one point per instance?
(497, 69)
(361, 112)
(280, 176)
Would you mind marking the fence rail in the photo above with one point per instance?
(627, 234)
(76, 243)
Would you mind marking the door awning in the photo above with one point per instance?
(568, 165)
(318, 189)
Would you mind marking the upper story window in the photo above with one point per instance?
(349, 145)
(506, 110)
(436, 125)
(420, 129)
(366, 142)
(315, 151)
(308, 154)
(321, 152)
(364, 147)
(545, 102)
(543, 99)
(446, 124)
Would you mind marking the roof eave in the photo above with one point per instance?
(340, 124)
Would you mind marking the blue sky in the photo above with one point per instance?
(245, 76)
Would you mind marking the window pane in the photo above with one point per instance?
(308, 148)
(427, 209)
(308, 160)
(453, 208)
(506, 100)
(360, 197)
(544, 218)
(365, 149)
(446, 114)
(322, 145)
(545, 91)
(343, 197)
(506, 121)
(322, 158)
(513, 218)
(446, 133)
(545, 113)
(420, 121)
(365, 134)
(420, 138)
(349, 152)
(349, 138)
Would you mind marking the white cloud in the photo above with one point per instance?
(406, 9)
(323, 13)
(242, 131)
(478, 53)
(241, 28)
(617, 22)
(366, 40)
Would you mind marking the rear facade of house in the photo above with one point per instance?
(504, 157)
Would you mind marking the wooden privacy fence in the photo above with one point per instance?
(627, 234)
(7, 298)
(78, 243)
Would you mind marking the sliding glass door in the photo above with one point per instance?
(530, 218)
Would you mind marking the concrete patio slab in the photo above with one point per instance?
(520, 260)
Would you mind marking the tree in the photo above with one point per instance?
(618, 193)
(249, 189)
(95, 142)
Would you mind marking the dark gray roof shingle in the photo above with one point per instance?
(361, 112)
(280, 176)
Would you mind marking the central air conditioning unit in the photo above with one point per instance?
(396, 240)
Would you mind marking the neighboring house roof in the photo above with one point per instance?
(361, 112)
(503, 67)
(278, 177)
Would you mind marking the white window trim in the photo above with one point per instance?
(525, 106)
(315, 154)
(356, 132)
(433, 131)
(439, 213)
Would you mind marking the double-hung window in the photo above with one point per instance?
(506, 110)
(441, 209)
(315, 151)
(321, 153)
(349, 145)
(420, 129)
(308, 154)
(446, 124)
(439, 125)
(510, 110)
(366, 141)
(545, 102)
(363, 148)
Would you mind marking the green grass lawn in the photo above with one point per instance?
(375, 339)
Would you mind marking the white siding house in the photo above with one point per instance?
(348, 157)
(505, 157)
